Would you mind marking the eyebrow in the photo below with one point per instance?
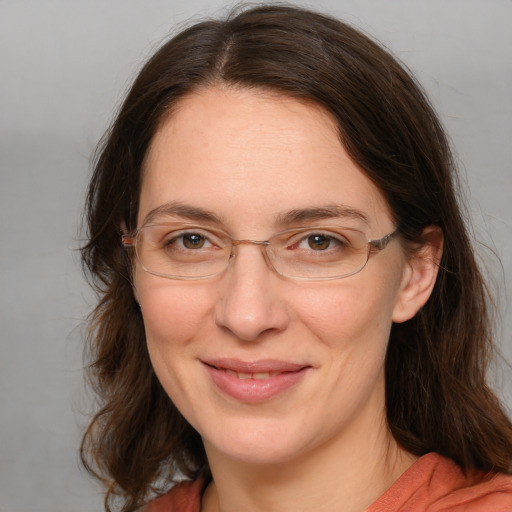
(295, 216)
(177, 209)
(335, 211)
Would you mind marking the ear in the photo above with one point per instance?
(419, 275)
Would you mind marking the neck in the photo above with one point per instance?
(354, 470)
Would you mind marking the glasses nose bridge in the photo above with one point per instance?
(250, 242)
(262, 244)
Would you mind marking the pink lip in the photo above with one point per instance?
(283, 375)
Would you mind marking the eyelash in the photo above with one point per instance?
(178, 240)
(337, 241)
(181, 236)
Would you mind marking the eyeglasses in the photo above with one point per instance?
(189, 251)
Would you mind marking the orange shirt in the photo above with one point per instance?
(436, 484)
(432, 484)
(184, 497)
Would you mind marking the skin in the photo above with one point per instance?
(249, 156)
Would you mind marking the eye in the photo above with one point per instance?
(188, 240)
(319, 242)
(193, 240)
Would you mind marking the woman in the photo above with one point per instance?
(294, 319)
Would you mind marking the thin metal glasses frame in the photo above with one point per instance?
(129, 241)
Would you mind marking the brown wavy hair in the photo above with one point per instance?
(436, 392)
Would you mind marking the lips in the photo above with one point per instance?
(254, 382)
(257, 375)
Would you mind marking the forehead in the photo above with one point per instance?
(250, 155)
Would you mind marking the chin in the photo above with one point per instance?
(257, 444)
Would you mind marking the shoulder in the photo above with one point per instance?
(183, 497)
(436, 484)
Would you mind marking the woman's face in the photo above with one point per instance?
(263, 367)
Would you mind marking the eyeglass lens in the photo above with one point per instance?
(196, 252)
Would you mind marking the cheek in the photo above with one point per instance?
(351, 329)
(348, 314)
(173, 313)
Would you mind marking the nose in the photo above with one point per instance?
(252, 303)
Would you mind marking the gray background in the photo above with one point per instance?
(63, 67)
